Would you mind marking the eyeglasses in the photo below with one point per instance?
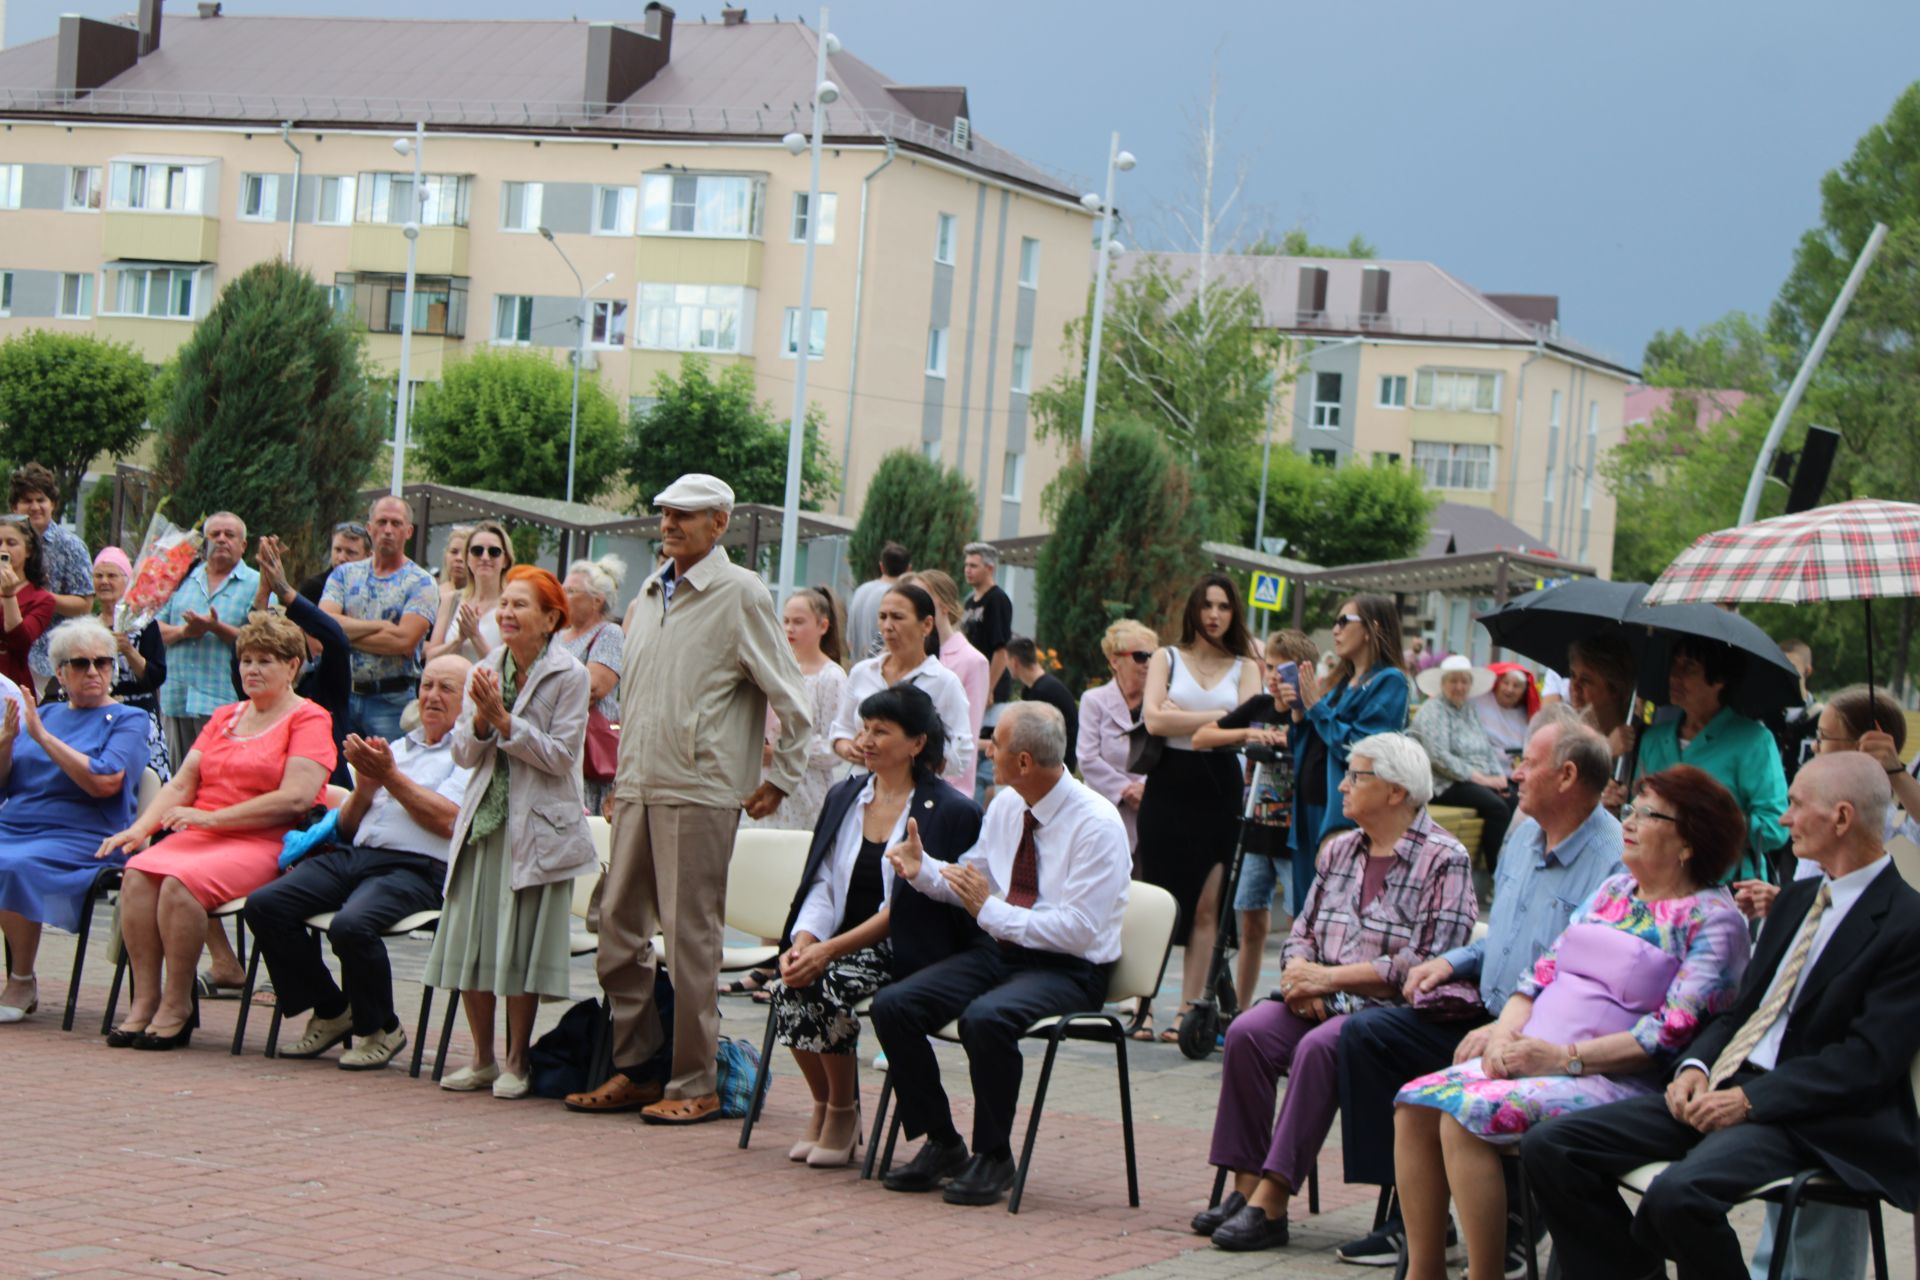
(96, 664)
(1354, 775)
(1142, 656)
(1628, 812)
(1347, 620)
(353, 529)
(491, 553)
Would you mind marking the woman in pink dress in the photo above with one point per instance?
(256, 769)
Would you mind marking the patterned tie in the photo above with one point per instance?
(1026, 867)
(1755, 1029)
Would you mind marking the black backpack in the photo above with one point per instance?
(575, 1056)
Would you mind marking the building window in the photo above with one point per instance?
(930, 450)
(613, 210)
(1456, 391)
(943, 239)
(1324, 457)
(1022, 367)
(1454, 466)
(1393, 391)
(829, 211)
(340, 295)
(790, 334)
(259, 197)
(335, 206)
(607, 327)
(1593, 452)
(388, 199)
(937, 351)
(10, 180)
(1326, 401)
(692, 317)
(83, 189)
(720, 205)
(150, 291)
(439, 303)
(520, 205)
(512, 318)
(638, 407)
(1013, 475)
(157, 187)
(76, 297)
(6, 293)
(1391, 459)
(1029, 263)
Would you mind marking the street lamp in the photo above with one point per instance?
(579, 351)
(825, 92)
(1118, 161)
(407, 146)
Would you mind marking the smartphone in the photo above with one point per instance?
(1290, 673)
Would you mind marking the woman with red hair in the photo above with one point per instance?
(1505, 709)
(521, 835)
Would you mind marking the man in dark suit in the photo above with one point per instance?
(1808, 1067)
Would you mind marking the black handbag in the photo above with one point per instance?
(1144, 748)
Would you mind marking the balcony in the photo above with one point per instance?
(159, 237)
(694, 260)
(156, 339)
(382, 247)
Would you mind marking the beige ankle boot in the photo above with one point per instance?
(804, 1148)
(839, 1135)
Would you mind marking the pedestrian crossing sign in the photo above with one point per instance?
(1268, 591)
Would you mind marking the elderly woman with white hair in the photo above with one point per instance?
(596, 640)
(1388, 895)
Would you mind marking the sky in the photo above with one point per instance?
(1653, 163)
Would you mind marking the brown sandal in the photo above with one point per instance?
(683, 1110)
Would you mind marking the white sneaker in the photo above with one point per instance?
(375, 1051)
(321, 1035)
(471, 1079)
(510, 1085)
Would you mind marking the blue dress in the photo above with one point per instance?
(49, 828)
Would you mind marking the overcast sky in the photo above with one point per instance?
(1651, 162)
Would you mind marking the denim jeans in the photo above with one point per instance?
(377, 715)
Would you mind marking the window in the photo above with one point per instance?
(379, 302)
(607, 326)
(520, 205)
(1593, 452)
(1456, 391)
(150, 291)
(930, 450)
(1029, 263)
(388, 198)
(340, 296)
(937, 351)
(639, 407)
(829, 208)
(157, 186)
(259, 196)
(1454, 466)
(335, 206)
(512, 318)
(1013, 475)
(1390, 459)
(613, 210)
(1324, 457)
(943, 239)
(1326, 401)
(76, 297)
(720, 205)
(10, 180)
(692, 317)
(1393, 391)
(83, 189)
(6, 293)
(790, 334)
(1022, 367)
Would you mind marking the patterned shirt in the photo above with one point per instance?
(1456, 742)
(69, 573)
(361, 593)
(200, 672)
(1426, 907)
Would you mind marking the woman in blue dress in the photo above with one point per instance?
(69, 777)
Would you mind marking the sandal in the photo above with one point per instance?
(753, 984)
(207, 989)
(1172, 1034)
(1141, 1028)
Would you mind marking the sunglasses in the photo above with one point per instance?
(96, 664)
(353, 529)
(1628, 812)
(1347, 620)
(491, 553)
(1142, 656)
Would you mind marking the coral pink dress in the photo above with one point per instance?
(219, 866)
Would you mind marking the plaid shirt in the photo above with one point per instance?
(200, 672)
(1426, 906)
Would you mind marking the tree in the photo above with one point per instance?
(270, 413)
(926, 508)
(1730, 353)
(66, 398)
(499, 419)
(1125, 543)
(1295, 243)
(1347, 515)
(702, 423)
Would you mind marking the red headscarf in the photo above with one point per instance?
(1500, 669)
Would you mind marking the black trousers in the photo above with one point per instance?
(1495, 811)
(369, 890)
(997, 993)
(1572, 1163)
(1382, 1048)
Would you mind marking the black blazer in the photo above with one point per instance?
(923, 931)
(1841, 1081)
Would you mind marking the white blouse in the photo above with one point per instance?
(949, 699)
(826, 899)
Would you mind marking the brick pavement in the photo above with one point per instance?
(194, 1162)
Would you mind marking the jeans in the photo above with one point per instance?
(1829, 1241)
(377, 715)
(1259, 876)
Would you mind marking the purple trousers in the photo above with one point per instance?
(1263, 1044)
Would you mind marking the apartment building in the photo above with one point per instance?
(143, 164)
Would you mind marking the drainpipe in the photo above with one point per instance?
(1519, 414)
(853, 358)
(293, 200)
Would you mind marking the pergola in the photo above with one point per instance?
(1025, 553)
(1499, 574)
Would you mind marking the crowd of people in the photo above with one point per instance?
(1630, 979)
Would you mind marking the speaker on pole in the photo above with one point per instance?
(1816, 461)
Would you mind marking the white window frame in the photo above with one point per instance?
(604, 316)
(113, 296)
(183, 186)
(1013, 475)
(829, 214)
(12, 178)
(532, 197)
(944, 234)
(1029, 262)
(345, 187)
(658, 302)
(1326, 413)
(790, 334)
(269, 197)
(626, 209)
(96, 189)
(522, 318)
(84, 287)
(1443, 462)
(447, 197)
(1442, 390)
(6, 293)
(1390, 384)
(659, 198)
(937, 351)
(1022, 376)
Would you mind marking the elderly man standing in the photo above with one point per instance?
(1809, 1066)
(386, 604)
(705, 657)
(198, 625)
(1560, 851)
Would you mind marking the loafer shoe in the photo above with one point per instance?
(934, 1164)
(682, 1110)
(375, 1051)
(321, 1035)
(1208, 1221)
(984, 1180)
(510, 1085)
(470, 1079)
(620, 1092)
(1249, 1230)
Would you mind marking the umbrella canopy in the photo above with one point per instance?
(1865, 549)
(1770, 681)
(1543, 625)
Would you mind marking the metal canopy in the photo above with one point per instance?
(1025, 553)
(1480, 573)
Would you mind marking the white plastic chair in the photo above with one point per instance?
(402, 928)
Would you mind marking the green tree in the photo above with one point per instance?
(700, 422)
(270, 412)
(1730, 353)
(1355, 514)
(1295, 243)
(1125, 543)
(926, 508)
(498, 420)
(66, 398)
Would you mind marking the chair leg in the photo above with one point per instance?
(1382, 1207)
(273, 1033)
(446, 1036)
(246, 1003)
(80, 938)
(879, 1126)
(1313, 1188)
(1126, 1116)
(1219, 1188)
(113, 992)
(893, 1136)
(1531, 1254)
(762, 1081)
(420, 1032)
(1783, 1234)
(1033, 1121)
(1877, 1232)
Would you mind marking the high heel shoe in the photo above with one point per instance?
(179, 1039)
(17, 1013)
(839, 1136)
(804, 1148)
(122, 1037)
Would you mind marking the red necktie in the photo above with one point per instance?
(1026, 867)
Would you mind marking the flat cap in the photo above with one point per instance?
(696, 491)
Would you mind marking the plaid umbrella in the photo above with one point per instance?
(1860, 550)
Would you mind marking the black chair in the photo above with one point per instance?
(420, 922)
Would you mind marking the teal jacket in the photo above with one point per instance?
(1741, 756)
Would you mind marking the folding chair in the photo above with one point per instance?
(418, 922)
(106, 883)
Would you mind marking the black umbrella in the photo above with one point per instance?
(1770, 681)
(1542, 625)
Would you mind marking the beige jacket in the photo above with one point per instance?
(695, 684)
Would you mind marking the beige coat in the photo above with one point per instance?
(546, 830)
(695, 685)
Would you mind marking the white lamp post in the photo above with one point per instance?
(825, 93)
(579, 352)
(1118, 161)
(411, 229)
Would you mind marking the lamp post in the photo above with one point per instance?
(1118, 161)
(579, 351)
(825, 93)
(407, 146)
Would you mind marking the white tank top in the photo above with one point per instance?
(1187, 694)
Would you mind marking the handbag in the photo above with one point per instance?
(1144, 748)
(603, 740)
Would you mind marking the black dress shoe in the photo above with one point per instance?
(935, 1164)
(985, 1179)
(1208, 1221)
(178, 1040)
(1250, 1229)
(123, 1037)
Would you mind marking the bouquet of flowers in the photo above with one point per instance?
(167, 555)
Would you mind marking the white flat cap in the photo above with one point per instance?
(696, 492)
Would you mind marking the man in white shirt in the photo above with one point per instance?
(390, 862)
(1048, 883)
(1808, 1067)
